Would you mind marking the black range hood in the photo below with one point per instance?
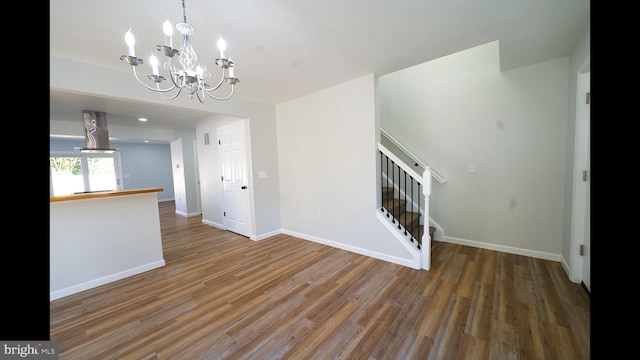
(96, 133)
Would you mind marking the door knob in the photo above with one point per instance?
(244, 187)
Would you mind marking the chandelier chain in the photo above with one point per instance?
(184, 12)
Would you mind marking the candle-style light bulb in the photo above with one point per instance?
(131, 41)
(168, 33)
(222, 46)
(153, 60)
(231, 69)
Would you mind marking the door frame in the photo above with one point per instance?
(248, 168)
(197, 176)
(579, 215)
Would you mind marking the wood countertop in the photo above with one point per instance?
(103, 194)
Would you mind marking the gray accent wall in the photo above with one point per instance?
(143, 165)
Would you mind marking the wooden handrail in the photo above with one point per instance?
(413, 157)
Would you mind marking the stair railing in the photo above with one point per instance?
(408, 208)
(412, 156)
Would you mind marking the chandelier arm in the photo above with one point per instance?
(175, 86)
(156, 89)
(222, 98)
(224, 73)
(173, 74)
(162, 94)
(200, 95)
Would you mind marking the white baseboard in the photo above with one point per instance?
(219, 226)
(503, 248)
(53, 295)
(366, 252)
(265, 235)
(187, 215)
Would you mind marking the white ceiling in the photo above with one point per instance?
(284, 49)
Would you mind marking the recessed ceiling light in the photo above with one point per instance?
(146, 141)
(142, 119)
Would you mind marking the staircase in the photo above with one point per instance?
(408, 219)
(405, 188)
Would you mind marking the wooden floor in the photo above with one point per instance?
(223, 296)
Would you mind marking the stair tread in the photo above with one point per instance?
(409, 216)
(418, 231)
(395, 201)
(395, 206)
(408, 219)
(387, 193)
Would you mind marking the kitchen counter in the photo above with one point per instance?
(101, 194)
(99, 237)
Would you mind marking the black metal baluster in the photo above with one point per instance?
(393, 180)
(413, 202)
(425, 221)
(381, 182)
(405, 202)
(388, 213)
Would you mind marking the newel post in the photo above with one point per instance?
(426, 237)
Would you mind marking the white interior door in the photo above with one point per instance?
(586, 259)
(233, 162)
(580, 247)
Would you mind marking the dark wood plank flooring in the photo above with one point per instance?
(223, 296)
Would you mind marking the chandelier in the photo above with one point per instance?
(189, 75)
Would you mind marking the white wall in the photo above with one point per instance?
(65, 127)
(102, 248)
(177, 169)
(327, 156)
(189, 158)
(460, 111)
(184, 173)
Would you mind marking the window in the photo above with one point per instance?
(78, 172)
